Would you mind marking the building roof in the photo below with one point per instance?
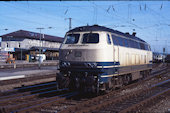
(33, 35)
(102, 28)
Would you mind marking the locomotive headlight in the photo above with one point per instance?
(90, 65)
(94, 64)
(65, 64)
(68, 63)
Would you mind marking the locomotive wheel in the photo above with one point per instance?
(72, 85)
(62, 82)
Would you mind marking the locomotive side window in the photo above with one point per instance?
(132, 43)
(115, 40)
(149, 48)
(90, 38)
(126, 44)
(142, 46)
(146, 47)
(108, 39)
(138, 46)
(121, 41)
(129, 43)
(72, 38)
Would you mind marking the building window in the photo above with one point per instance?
(19, 45)
(7, 45)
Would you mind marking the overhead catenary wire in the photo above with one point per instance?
(30, 21)
(122, 18)
(86, 8)
(41, 14)
(144, 28)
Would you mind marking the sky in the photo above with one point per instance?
(149, 19)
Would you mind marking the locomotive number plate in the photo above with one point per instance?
(78, 54)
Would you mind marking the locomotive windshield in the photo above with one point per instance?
(72, 38)
(90, 38)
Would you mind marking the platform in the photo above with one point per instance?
(26, 72)
(25, 64)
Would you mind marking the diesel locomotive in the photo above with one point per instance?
(96, 58)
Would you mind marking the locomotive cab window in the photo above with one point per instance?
(72, 38)
(90, 38)
(108, 39)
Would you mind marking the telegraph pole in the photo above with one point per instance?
(69, 23)
(40, 48)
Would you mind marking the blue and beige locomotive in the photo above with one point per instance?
(94, 58)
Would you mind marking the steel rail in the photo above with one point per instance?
(138, 106)
(25, 88)
(27, 79)
(97, 104)
(8, 108)
(29, 96)
(46, 102)
(26, 93)
(90, 105)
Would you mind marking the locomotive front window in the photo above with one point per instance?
(72, 38)
(90, 38)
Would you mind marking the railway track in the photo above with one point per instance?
(35, 87)
(126, 98)
(17, 100)
(32, 106)
(154, 98)
(132, 102)
(26, 79)
(31, 80)
(67, 105)
(113, 103)
(44, 98)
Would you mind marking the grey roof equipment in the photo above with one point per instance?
(102, 28)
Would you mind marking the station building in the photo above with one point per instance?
(22, 44)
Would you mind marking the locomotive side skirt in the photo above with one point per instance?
(105, 70)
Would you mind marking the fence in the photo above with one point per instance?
(3, 56)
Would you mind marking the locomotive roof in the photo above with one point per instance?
(102, 28)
